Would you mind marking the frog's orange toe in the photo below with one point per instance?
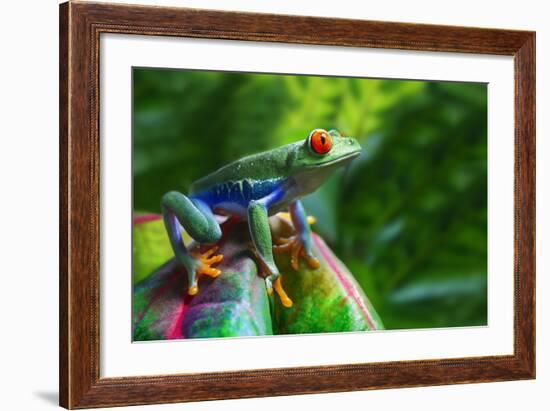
(285, 300)
(209, 271)
(193, 290)
(312, 261)
(209, 252)
(295, 255)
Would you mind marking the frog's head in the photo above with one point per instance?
(313, 161)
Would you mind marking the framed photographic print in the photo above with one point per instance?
(259, 205)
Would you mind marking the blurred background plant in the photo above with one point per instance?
(408, 217)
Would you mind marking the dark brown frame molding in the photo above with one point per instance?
(81, 24)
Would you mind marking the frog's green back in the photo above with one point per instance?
(262, 166)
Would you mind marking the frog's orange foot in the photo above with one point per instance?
(268, 275)
(295, 247)
(205, 261)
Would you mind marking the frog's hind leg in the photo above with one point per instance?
(196, 217)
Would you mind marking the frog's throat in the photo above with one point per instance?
(307, 180)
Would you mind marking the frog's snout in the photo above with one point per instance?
(352, 146)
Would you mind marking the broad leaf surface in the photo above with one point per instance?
(236, 303)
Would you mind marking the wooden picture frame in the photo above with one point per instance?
(80, 27)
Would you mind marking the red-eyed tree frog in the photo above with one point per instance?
(254, 188)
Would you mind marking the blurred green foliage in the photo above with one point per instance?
(408, 217)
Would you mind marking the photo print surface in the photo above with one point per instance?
(272, 204)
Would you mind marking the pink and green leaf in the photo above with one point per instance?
(327, 299)
(236, 303)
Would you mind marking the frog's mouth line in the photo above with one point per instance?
(349, 156)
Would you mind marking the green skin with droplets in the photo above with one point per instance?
(253, 188)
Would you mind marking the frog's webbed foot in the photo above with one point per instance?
(204, 263)
(272, 280)
(295, 246)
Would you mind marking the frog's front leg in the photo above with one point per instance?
(197, 219)
(258, 222)
(300, 244)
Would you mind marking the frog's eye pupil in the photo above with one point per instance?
(320, 141)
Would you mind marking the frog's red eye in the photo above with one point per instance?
(320, 141)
